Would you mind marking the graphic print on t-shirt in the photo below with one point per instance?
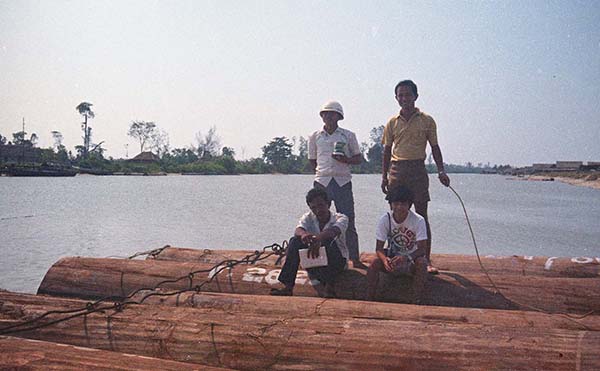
(402, 241)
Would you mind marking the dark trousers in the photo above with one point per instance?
(343, 200)
(336, 263)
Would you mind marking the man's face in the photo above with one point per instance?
(400, 208)
(405, 97)
(330, 117)
(320, 208)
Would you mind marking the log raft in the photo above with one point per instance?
(311, 341)
(348, 309)
(574, 267)
(28, 354)
(96, 278)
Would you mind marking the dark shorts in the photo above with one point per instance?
(411, 174)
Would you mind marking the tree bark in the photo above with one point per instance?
(299, 306)
(574, 267)
(309, 341)
(95, 277)
(27, 354)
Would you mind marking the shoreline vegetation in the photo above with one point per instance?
(281, 155)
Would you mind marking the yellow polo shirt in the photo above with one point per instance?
(409, 138)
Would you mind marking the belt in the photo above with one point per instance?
(419, 161)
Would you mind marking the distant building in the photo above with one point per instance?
(543, 167)
(591, 165)
(568, 165)
(145, 158)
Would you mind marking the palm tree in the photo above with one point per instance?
(84, 109)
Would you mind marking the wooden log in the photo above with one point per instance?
(209, 256)
(575, 267)
(28, 354)
(299, 306)
(311, 341)
(94, 278)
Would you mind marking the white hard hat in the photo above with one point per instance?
(334, 107)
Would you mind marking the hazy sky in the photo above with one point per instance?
(507, 81)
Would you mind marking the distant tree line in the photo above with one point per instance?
(206, 156)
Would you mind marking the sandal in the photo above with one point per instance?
(286, 291)
(432, 270)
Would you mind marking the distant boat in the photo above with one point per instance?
(40, 170)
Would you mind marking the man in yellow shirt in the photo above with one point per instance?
(405, 139)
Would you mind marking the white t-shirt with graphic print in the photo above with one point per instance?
(405, 235)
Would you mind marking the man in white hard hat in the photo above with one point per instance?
(331, 151)
(405, 139)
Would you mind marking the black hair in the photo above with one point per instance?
(399, 194)
(316, 193)
(408, 83)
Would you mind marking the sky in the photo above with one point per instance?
(508, 82)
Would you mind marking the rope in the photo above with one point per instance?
(474, 242)
(123, 301)
(154, 252)
(569, 316)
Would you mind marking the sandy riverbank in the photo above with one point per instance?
(586, 181)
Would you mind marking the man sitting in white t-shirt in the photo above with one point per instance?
(406, 234)
(318, 227)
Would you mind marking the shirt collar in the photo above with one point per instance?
(417, 113)
(331, 217)
(323, 131)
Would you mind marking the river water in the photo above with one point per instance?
(44, 219)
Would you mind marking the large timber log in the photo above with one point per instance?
(576, 267)
(209, 256)
(28, 354)
(299, 306)
(311, 341)
(94, 278)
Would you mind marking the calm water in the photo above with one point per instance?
(44, 219)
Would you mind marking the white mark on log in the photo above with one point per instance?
(218, 270)
(271, 278)
(549, 263)
(598, 260)
(254, 274)
(528, 257)
(582, 260)
(138, 356)
(86, 349)
(301, 277)
(490, 256)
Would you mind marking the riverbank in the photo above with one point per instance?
(577, 179)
